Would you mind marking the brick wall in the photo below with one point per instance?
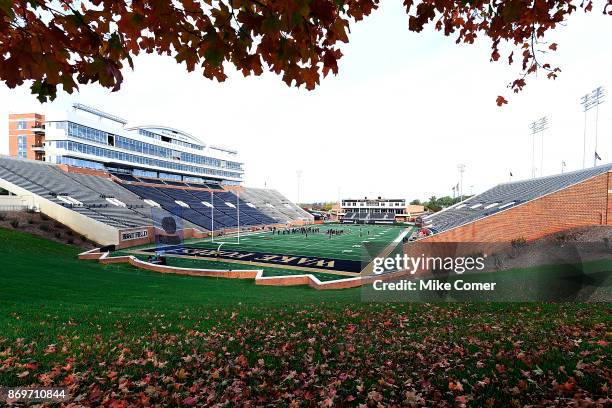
(584, 204)
(256, 274)
(609, 214)
(83, 170)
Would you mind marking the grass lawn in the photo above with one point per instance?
(118, 336)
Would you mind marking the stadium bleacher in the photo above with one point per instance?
(274, 205)
(127, 203)
(125, 177)
(368, 217)
(505, 196)
(210, 210)
(56, 185)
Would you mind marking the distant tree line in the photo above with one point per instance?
(436, 204)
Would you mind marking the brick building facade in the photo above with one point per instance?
(27, 136)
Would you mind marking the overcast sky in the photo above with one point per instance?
(403, 112)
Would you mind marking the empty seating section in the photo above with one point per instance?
(354, 216)
(260, 199)
(351, 216)
(150, 180)
(169, 204)
(49, 182)
(123, 205)
(274, 205)
(209, 210)
(295, 210)
(505, 196)
(214, 186)
(138, 213)
(228, 203)
(383, 216)
(125, 177)
(175, 183)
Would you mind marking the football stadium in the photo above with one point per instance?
(140, 248)
(310, 203)
(160, 199)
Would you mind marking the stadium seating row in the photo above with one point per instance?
(368, 216)
(275, 205)
(132, 178)
(127, 205)
(207, 209)
(83, 194)
(506, 196)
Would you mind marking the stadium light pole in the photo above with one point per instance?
(598, 98)
(537, 126)
(584, 101)
(461, 168)
(588, 102)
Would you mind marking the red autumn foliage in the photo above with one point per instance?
(67, 43)
(378, 355)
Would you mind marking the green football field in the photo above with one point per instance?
(348, 245)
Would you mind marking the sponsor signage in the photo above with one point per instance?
(130, 235)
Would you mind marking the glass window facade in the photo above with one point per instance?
(145, 173)
(22, 124)
(193, 179)
(22, 146)
(138, 160)
(168, 176)
(156, 136)
(121, 142)
(71, 161)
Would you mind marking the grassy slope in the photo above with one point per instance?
(94, 311)
(41, 272)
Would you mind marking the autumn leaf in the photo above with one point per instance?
(501, 100)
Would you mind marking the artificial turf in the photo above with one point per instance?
(347, 245)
